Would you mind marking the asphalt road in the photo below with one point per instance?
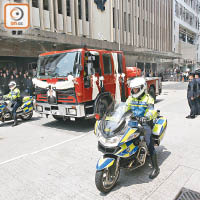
(50, 160)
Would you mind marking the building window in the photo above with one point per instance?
(138, 26)
(182, 36)
(86, 10)
(146, 28)
(68, 8)
(113, 17)
(45, 5)
(118, 18)
(107, 64)
(129, 22)
(59, 6)
(35, 3)
(125, 25)
(79, 10)
(143, 27)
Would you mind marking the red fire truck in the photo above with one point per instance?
(154, 84)
(79, 83)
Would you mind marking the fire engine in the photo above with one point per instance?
(79, 83)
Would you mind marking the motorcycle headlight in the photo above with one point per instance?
(110, 142)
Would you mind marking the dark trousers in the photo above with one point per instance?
(16, 105)
(197, 106)
(149, 139)
(193, 107)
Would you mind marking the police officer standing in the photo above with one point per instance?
(198, 93)
(191, 96)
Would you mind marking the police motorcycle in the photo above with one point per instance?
(25, 111)
(121, 140)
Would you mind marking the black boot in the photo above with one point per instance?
(15, 121)
(156, 169)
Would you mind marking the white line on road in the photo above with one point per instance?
(41, 150)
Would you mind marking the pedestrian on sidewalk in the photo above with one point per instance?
(198, 93)
(191, 95)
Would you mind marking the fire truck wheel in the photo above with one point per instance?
(57, 117)
(152, 92)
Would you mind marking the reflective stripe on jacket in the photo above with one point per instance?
(13, 95)
(143, 107)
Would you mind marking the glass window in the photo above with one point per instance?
(113, 17)
(79, 10)
(68, 8)
(125, 21)
(35, 3)
(129, 22)
(59, 6)
(58, 65)
(86, 10)
(45, 5)
(107, 64)
(138, 26)
(120, 66)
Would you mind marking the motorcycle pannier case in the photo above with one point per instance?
(159, 129)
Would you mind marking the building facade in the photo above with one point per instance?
(143, 29)
(186, 34)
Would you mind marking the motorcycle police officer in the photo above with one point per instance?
(142, 105)
(14, 96)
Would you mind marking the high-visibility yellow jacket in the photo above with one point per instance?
(13, 95)
(143, 107)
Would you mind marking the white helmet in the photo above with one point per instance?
(12, 85)
(140, 83)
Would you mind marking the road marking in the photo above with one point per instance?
(41, 150)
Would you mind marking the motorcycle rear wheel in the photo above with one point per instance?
(27, 116)
(104, 181)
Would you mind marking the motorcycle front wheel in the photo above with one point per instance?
(106, 179)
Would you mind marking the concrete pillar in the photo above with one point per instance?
(41, 15)
(116, 20)
(127, 21)
(83, 17)
(64, 12)
(56, 14)
(31, 15)
(76, 17)
(51, 13)
(72, 17)
(90, 18)
(132, 22)
(120, 21)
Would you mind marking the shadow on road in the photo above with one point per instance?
(20, 121)
(140, 175)
(159, 100)
(81, 125)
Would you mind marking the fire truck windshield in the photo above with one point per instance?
(58, 65)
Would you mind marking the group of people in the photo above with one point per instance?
(193, 95)
(22, 79)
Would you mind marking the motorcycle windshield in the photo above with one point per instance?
(58, 65)
(114, 121)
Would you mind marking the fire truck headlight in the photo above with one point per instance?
(71, 111)
(39, 108)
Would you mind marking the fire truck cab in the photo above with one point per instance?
(80, 82)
